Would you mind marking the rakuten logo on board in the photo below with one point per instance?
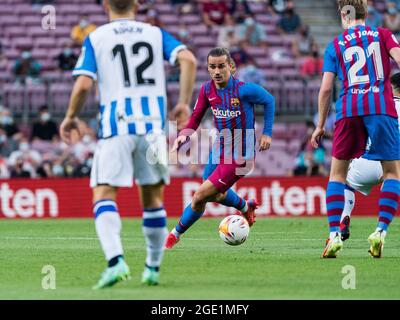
(275, 199)
(26, 203)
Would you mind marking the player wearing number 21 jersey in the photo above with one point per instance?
(360, 58)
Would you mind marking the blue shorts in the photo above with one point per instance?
(383, 138)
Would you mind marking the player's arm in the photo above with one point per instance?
(187, 63)
(259, 96)
(324, 100)
(176, 53)
(199, 111)
(85, 71)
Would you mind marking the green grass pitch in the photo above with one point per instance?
(280, 260)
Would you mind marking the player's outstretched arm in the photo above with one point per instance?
(324, 100)
(80, 91)
(188, 64)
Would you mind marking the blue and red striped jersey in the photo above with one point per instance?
(360, 57)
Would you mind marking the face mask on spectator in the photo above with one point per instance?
(89, 162)
(26, 55)
(392, 10)
(86, 139)
(67, 52)
(7, 120)
(45, 116)
(58, 170)
(3, 138)
(83, 23)
(23, 146)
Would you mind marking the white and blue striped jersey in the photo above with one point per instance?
(126, 57)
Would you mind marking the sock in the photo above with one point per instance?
(233, 200)
(155, 231)
(334, 204)
(349, 202)
(388, 202)
(188, 218)
(108, 228)
(114, 261)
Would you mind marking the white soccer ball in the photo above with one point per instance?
(234, 230)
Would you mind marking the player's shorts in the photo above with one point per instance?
(364, 174)
(223, 176)
(117, 160)
(351, 134)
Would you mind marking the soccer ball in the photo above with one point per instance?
(234, 230)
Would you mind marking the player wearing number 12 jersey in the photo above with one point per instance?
(126, 58)
(360, 57)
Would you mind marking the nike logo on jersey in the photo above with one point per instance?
(212, 99)
(220, 181)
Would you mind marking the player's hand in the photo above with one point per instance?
(181, 114)
(264, 142)
(316, 136)
(179, 142)
(67, 126)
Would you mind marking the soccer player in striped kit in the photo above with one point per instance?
(232, 157)
(126, 57)
(360, 57)
(364, 174)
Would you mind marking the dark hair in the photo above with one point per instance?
(395, 81)
(121, 6)
(219, 52)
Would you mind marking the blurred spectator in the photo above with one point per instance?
(396, 2)
(26, 69)
(240, 56)
(7, 145)
(45, 128)
(215, 12)
(145, 6)
(24, 161)
(290, 21)
(391, 19)
(250, 73)
(374, 18)
(1, 51)
(4, 172)
(67, 58)
(228, 35)
(278, 6)
(153, 18)
(239, 8)
(302, 43)
(81, 31)
(312, 65)
(252, 33)
(8, 125)
(183, 6)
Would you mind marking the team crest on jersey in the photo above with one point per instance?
(235, 102)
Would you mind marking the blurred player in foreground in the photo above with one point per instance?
(126, 58)
(360, 57)
(364, 174)
(232, 103)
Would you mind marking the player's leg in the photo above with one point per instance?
(151, 173)
(363, 174)
(385, 144)
(345, 147)
(194, 211)
(105, 179)
(154, 229)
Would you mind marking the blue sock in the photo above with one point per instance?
(388, 202)
(334, 204)
(188, 218)
(233, 200)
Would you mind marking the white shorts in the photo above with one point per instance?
(364, 174)
(117, 160)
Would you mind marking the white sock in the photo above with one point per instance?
(175, 233)
(108, 228)
(155, 232)
(333, 234)
(245, 208)
(383, 233)
(349, 202)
